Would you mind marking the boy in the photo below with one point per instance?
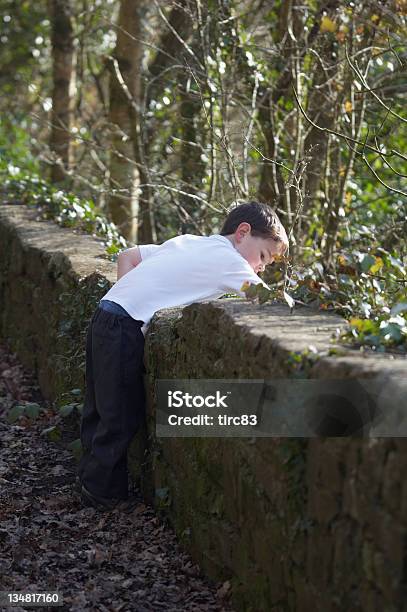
(182, 270)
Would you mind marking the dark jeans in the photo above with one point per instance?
(114, 404)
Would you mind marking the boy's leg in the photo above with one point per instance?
(117, 360)
(90, 417)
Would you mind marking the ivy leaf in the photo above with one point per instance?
(367, 262)
(162, 492)
(163, 497)
(327, 25)
(263, 294)
(362, 325)
(15, 413)
(377, 265)
(32, 410)
(396, 263)
(400, 307)
(250, 289)
(66, 410)
(52, 433)
(390, 331)
(398, 320)
(112, 249)
(76, 448)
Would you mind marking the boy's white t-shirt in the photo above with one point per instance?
(182, 270)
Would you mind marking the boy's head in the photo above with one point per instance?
(256, 232)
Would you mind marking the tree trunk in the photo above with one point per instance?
(130, 207)
(63, 73)
(125, 89)
(170, 46)
(192, 165)
(271, 188)
(319, 148)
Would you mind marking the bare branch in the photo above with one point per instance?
(346, 137)
(393, 189)
(368, 89)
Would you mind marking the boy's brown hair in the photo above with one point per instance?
(263, 221)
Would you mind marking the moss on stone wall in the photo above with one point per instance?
(49, 288)
(268, 514)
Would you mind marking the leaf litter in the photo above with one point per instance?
(109, 562)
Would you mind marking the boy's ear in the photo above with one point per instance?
(243, 228)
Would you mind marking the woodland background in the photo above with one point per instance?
(140, 120)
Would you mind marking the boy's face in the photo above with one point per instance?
(258, 252)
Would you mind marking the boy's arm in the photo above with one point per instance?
(127, 260)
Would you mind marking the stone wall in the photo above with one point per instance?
(50, 282)
(292, 523)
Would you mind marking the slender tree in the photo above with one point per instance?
(125, 89)
(175, 33)
(63, 72)
(130, 204)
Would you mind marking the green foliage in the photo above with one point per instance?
(301, 363)
(378, 333)
(23, 48)
(22, 183)
(368, 288)
(68, 409)
(162, 499)
(14, 146)
(53, 433)
(30, 410)
(292, 453)
(258, 291)
(76, 449)
(77, 306)
(66, 404)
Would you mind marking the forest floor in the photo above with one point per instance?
(108, 561)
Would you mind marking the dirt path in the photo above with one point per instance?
(48, 542)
